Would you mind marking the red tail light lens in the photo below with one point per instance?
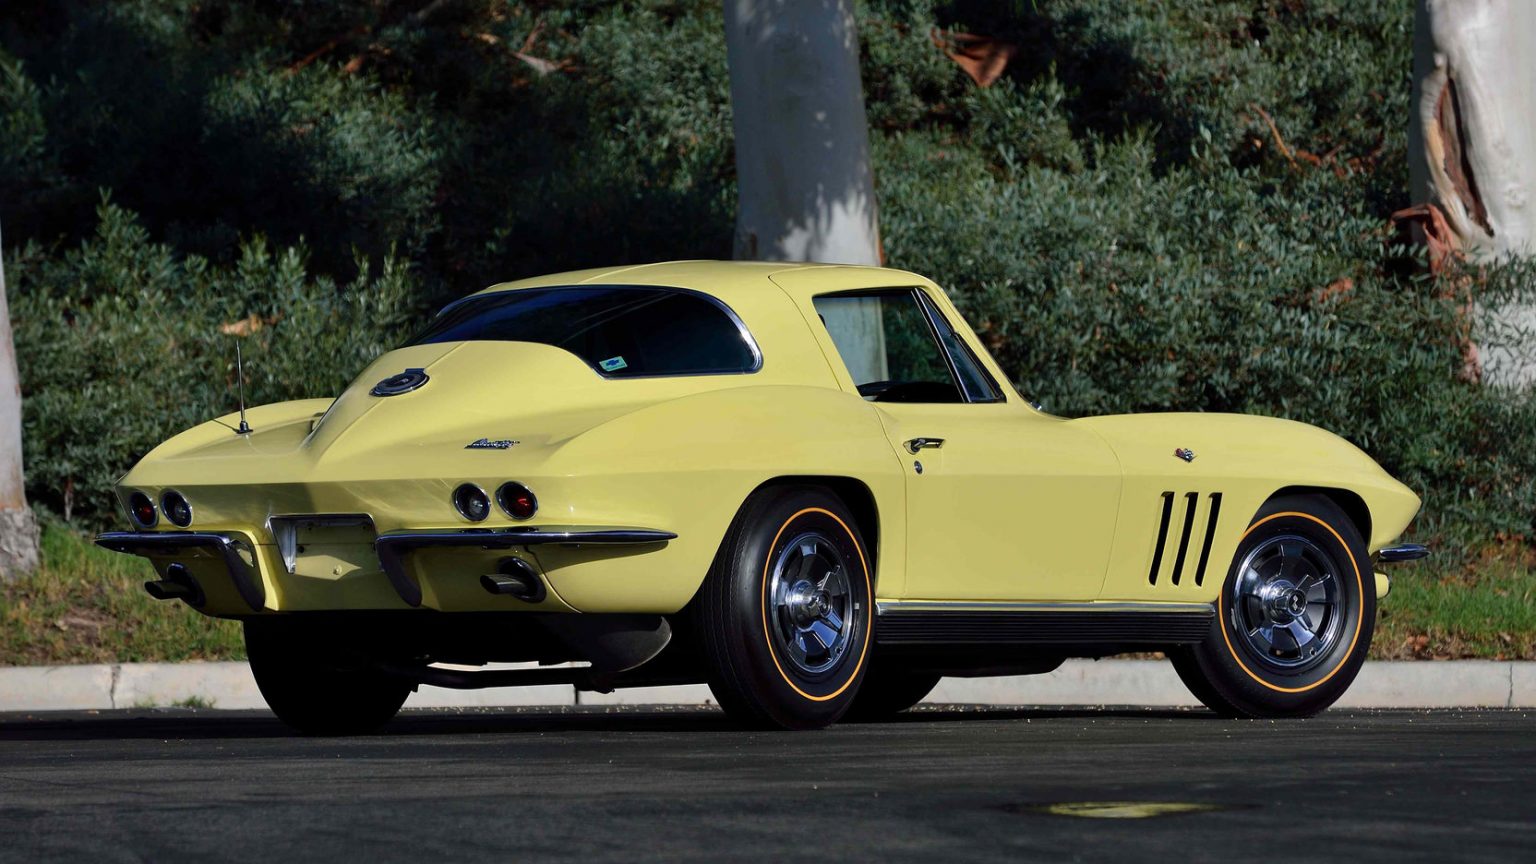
(517, 500)
(142, 509)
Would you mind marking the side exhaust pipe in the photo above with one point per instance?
(515, 577)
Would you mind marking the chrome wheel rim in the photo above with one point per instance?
(1287, 604)
(810, 604)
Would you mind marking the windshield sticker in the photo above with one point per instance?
(613, 364)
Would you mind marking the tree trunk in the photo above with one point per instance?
(18, 528)
(802, 140)
(1471, 141)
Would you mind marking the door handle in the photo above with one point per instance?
(917, 444)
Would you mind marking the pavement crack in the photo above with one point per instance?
(117, 674)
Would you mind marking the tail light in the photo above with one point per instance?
(142, 510)
(176, 509)
(471, 502)
(517, 500)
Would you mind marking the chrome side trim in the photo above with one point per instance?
(1405, 552)
(884, 607)
(393, 546)
(163, 543)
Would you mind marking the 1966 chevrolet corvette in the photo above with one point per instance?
(809, 486)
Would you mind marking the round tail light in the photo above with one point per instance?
(176, 508)
(471, 502)
(517, 500)
(142, 510)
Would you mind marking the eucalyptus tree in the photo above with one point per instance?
(18, 527)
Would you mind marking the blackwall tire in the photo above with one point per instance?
(1294, 619)
(785, 616)
(312, 686)
(888, 690)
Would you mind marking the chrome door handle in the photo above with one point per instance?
(917, 444)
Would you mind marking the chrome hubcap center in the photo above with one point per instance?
(1287, 604)
(806, 602)
(810, 604)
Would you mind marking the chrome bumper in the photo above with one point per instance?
(393, 547)
(1405, 552)
(163, 543)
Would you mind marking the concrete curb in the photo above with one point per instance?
(1454, 684)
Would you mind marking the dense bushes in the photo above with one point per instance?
(1160, 206)
(121, 344)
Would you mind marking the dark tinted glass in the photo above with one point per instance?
(622, 331)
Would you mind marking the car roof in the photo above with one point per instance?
(723, 279)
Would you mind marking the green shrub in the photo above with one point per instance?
(120, 347)
(1160, 206)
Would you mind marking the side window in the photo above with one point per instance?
(891, 352)
(974, 380)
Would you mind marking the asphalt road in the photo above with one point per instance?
(939, 785)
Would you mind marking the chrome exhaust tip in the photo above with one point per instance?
(515, 578)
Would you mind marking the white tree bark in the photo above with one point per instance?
(1472, 138)
(802, 140)
(1472, 151)
(18, 528)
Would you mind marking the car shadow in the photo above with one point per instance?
(214, 724)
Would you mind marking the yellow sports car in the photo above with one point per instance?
(809, 486)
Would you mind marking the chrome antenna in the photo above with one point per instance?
(245, 428)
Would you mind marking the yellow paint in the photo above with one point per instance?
(1126, 809)
(1383, 586)
(1018, 504)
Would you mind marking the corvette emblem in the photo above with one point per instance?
(488, 444)
(1185, 453)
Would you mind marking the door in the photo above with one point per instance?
(1004, 503)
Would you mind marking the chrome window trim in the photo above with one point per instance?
(934, 316)
(741, 326)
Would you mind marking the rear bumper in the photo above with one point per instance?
(244, 577)
(233, 562)
(394, 546)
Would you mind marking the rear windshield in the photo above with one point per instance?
(620, 330)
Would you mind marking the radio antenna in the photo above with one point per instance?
(245, 428)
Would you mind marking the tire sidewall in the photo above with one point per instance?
(786, 693)
(1231, 666)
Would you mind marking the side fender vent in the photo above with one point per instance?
(1162, 538)
(1186, 534)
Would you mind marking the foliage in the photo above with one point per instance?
(122, 346)
(1160, 206)
(46, 618)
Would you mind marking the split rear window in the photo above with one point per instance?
(621, 331)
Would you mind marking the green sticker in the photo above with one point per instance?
(613, 364)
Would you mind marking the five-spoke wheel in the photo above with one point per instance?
(1295, 615)
(786, 614)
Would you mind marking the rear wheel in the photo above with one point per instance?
(889, 690)
(311, 683)
(785, 615)
(1295, 616)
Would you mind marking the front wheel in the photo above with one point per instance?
(786, 612)
(1294, 619)
(311, 683)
